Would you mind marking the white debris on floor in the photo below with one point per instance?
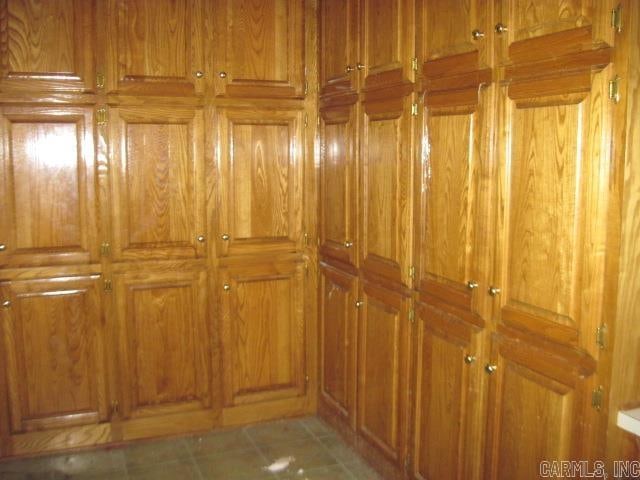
(280, 464)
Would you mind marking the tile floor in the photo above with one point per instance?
(239, 454)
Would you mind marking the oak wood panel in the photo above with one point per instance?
(259, 184)
(155, 47)
(260, 48)
(339, 21)
(263, 331)
(338, 182)
(47, 46)
(384, 335)
(386, 173)
(164, 342)
(387, 36)
(47, 187)
(157, 182)
(447, 411)
(338, 337)
(54, 357)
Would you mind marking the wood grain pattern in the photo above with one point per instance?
(48, 192)
(164, 347)
(262, 331)
(158, 182)
(54, 353)
(260, 180)
(46, 45)
(259, 45)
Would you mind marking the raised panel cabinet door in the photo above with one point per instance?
(263, 333)
(386, 174)
(260, 166)
(53, 353)
(447, 416)
(384, 350)
(387, 39)
(339, 60)
(338, 336)
(155, 47)
(157, 182)
(338, 182)
(259, 48)
(164, 342)
(47, 45)
(539, 410)
(47, 188)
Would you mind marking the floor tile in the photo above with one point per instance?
(233, 465)
(278, 432)
(306, 454)
(362, 471)
(332, 472)
(183, 470)
(339, 449)
(317, 427)
(217, 442)
(152, 453)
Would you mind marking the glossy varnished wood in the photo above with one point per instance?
(48, 213)
(47, 46)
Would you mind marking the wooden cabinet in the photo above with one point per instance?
(53, 354)
(259, 186)
(164, 342)
(386, 176)
(338, 347)
(263, 332)
(338, 182)
(259, 48)
(157, 182)
(155, 47)
(339, 30)
(384, 352)
(47, 189)
(47, 46)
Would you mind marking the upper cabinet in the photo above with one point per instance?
(47, 45)
(155, 47)
(259, 48)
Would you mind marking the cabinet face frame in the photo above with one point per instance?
(38, 155)
(79, 78)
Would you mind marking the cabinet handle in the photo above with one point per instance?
(477, 34)
(200, 238)
(199, 74)
(501, 28)
(348, 244)
(226, 287)
(3, 247)
(469, 359)
(494, 291)
(472, 284)
(490, 369)
(359, 303)
(360, 66)
(349, 69)
(6, 303)
(222, 74)
(225, 236)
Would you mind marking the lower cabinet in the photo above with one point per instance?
(53, 361)
(262, 337)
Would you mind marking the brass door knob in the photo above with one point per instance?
(3, 247)
(200, 238)
(477, 34)
(349, 69)
(472, 284)
(225, 236)
(469, 359)
(359, 303)
(501, 28)
(494, 291)
(199, 74)
(222, 74)
(360, 66)
(348, 244)
(226, 287)
(490, 369)
(6, 303)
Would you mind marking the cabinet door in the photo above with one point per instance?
(53, 353)
(539, 410)
(260, 166)
(386, 186)
(155, 47)
(48, 214)
(260, 48)
(338, 46)
(338, 182)
(157, 182)
(338, 334)
(164, 342)
(447, 417)
(47, 46)
(387, 42)
(383, 371)
(262, 333)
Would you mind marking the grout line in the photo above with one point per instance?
(258, 449)
(193, 458)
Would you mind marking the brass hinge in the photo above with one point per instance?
(306, 269)
(414, 109)
(115, 407)
(597, 398)
(105, 249)
(616, 18)
(101, 116)
(306, 379)
(412, 272)
(306, 87)
(306, 238)
(601, 336)
(306, 119)
(614, 89)
(99, 81)
(412, 315)
(108, 286)
(414, 64)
